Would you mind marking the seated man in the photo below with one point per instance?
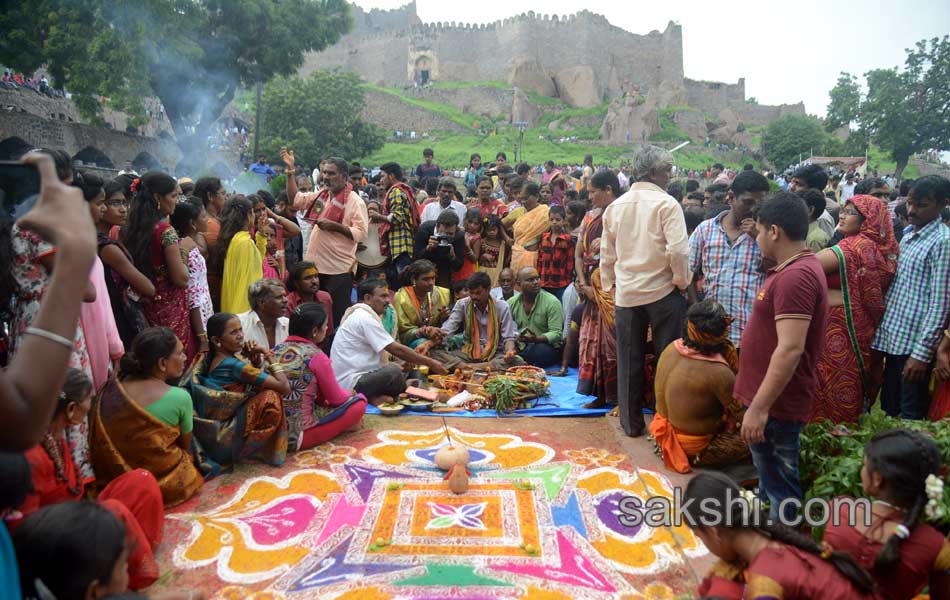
(506, 285)
(362, 346)
(540, 320)
(697, 418)
(265, 324)
(489, 335)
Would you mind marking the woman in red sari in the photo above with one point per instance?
(153, 244)
(762, 560)
(859, 270)
(134, 497)
(902, 472)
(597, 364)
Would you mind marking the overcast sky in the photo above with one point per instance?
(787, 51)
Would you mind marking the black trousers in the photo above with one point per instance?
(665, 316)
(340, 288)
(388, 380)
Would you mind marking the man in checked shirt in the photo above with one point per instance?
(917, 303)
(723, 252)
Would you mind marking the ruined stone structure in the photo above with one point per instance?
(29, 120)
(638, 74)
(393, 48)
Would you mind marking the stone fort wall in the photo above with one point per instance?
(386, 46)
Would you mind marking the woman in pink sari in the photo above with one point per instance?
(859, 270)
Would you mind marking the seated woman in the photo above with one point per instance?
(134, 497)
(903, 554)
(79, 550)
(141, 422)
(238, 408)
(421, 306)
(317, 408)
(760, 559)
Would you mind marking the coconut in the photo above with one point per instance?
(448, 456)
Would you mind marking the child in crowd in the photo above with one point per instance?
(575, 216)
(492, 248)
(274, 265)
(546, 194)
(901, 470)
(473, 244)
(759, 559)
(556, 254)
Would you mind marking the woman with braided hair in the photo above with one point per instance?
(157, 254)
(760, 559)
(697, 418)
(902, 472)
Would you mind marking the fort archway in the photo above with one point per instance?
(146, 162)
(13, 148)
(93, 157)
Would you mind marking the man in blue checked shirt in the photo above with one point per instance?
(724, 252)
(918, 302)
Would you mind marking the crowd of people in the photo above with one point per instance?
(38, 82)
(187, 329)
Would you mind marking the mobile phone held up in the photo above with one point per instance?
(19, 188)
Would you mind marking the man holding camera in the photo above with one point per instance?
(443, 242)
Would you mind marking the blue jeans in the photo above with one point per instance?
(541, 355)
(776, 460)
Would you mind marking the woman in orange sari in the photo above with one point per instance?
(597, 362)
(134, 498)
(859, 270)
(529, 228)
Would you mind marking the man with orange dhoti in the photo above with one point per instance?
(697, 418)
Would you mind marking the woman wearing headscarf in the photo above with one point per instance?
(859, 270)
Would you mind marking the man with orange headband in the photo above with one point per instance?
(697, 418)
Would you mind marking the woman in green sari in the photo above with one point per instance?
(421, 306)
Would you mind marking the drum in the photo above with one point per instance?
(371, 257)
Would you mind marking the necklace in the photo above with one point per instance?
(55, 452)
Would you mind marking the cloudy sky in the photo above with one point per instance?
(787, 51)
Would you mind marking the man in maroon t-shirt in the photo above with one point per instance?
(780, 349)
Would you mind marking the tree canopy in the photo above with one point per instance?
(317, 116)
(790, 137)
(191, 54)
(903, 111)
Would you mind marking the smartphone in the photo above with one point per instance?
(19, 188)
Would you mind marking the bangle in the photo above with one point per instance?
(203, 335)
(49, 335)
(946, 333)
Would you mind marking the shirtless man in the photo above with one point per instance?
(697, 419)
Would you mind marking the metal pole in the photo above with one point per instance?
(257, 121)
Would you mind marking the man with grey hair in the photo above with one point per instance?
(644, 262)
(265, 324)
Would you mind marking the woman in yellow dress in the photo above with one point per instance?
(238, 257)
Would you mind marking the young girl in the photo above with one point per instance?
(901, 470)
(190, 220)
(79, 550)
(317, 408)
(759, 559)
(473, 244)
(492, 249)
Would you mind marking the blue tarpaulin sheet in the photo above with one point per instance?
(564, 401)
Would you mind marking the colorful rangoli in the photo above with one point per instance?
(381, 523)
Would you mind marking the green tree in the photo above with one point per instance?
(192, 55)
(904, 111)
(317, 116)
(785, 139)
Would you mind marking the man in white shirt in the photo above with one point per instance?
(446, 201)
(847, 189)
(506, 285)
(644, 261)
(265, 324)
(361, 348)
